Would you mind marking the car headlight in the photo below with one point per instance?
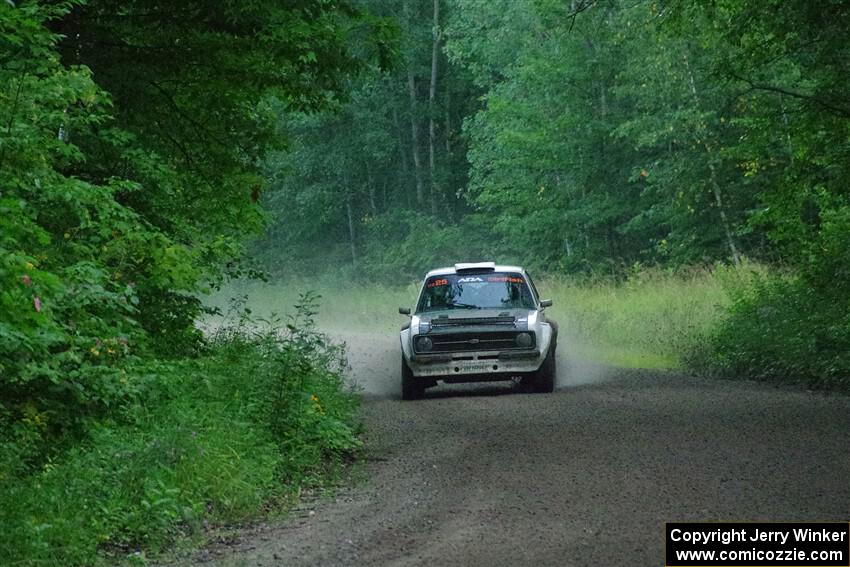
(424, 344)
(524, 340)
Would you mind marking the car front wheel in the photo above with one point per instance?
(543, 380)
(411, 388)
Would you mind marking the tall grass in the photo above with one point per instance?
(653, 319)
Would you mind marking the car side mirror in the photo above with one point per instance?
(545, 303)
(404, 310)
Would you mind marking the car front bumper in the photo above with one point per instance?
(476, 365)
(480, 365)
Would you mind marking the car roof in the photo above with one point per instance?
(476, 267)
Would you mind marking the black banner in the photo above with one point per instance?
(757, 544)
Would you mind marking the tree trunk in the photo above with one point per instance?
(448, 133)
(373, 206)
(384, 194)
(414, 134)
(715, 184)
(432, 94)
(718, 200)
(405, 167)
(787, 128)
(351, 232)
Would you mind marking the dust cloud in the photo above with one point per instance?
(370, 330)
(375, 364)
(374, 361)
(575, 366)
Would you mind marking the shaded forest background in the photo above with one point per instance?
(573, 137)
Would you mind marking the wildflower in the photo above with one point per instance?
(30, 266)
(36, 302)
(314, 398)
(27, 280)
(94, 351)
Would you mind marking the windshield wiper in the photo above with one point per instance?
(463, 306)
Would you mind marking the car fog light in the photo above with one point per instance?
(524, 340)
(424, 344)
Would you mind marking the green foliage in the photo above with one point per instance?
(130, 143)
(66, 313)
(596, 144)
(792, 328)
(263, 414)
(599, 144)
(403, 245)
(787, 60)
(128, 181)
(137, 141)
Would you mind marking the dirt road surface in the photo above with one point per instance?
(482, 476)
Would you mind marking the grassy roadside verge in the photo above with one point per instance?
(652, 319)
(209, 440)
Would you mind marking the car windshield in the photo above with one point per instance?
(491, 290)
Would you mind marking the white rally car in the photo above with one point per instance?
(477, 322)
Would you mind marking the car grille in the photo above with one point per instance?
(460, 342)
(466, 321)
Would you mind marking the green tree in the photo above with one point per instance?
(131, 137)
(372, 179)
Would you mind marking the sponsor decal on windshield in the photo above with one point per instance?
(477, 279)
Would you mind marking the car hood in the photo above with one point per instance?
(454, 314)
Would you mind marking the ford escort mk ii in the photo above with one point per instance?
(478, 322)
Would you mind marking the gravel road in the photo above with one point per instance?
(478, 475)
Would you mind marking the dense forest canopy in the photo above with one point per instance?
(575, 136)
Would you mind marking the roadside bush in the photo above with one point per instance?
(262, 414)
(792, 328)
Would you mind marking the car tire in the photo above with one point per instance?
(544, 378)
(411, 388)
